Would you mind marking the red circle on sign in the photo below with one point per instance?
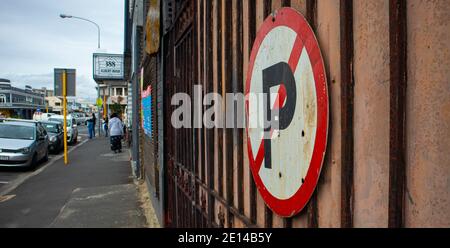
(305, 38)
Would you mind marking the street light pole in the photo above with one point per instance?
(98, 31)
(84, 19)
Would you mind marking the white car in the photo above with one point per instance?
(39, 116)
(80, 118)
(72, 129)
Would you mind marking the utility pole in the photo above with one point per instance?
(64, 81)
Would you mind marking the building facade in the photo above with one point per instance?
(113, 92)
(55, 104)
(19, 103)
(44, 91)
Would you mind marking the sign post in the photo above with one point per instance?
(64, 88)
(64, 85)
(99, 104)
(105, 110)
(286, 68)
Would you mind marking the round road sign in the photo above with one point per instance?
(286, 66)
(99, 102)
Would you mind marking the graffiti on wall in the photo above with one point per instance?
(146, 111)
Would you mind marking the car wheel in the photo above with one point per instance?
(34, 161)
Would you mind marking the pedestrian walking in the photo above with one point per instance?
(94, 120)
(115, 127)
(105, 125)
(91, 127)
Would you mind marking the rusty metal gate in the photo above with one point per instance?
(184, 208)
(203, 165)
(374, 163)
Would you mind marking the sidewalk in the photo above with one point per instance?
(96, 189)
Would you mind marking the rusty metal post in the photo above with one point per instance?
(398, 82)
(347, 95)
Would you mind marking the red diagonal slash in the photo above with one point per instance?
(281, 96)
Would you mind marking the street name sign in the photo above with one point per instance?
(287, 66)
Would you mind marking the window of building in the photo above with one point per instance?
(119, 92)
(57, 104)
(126, 91)
(2, 98)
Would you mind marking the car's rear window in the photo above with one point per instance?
(50, 127)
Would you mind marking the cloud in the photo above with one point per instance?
(35, 40)
(85, 87)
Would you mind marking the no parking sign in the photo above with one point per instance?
(286, 65)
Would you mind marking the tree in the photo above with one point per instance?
(116, 108)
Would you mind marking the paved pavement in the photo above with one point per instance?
(96, 189)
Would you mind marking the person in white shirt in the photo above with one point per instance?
(115, 127)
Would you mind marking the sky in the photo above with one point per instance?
(34, 40)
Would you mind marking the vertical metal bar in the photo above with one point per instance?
(251, 38)
(239, 88)
(286, 3)
(268, 216)
(398, 84)
(267, 8)
(229, 88)
(347, 95)
(177, 204)
(202, 78)
(311, 9)
(287, 222)
(220, 90)
(312, 211)
(194, 130)
(197, 158)
(210, 132)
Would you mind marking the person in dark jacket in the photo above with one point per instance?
(94, 119)
(91, 127)
(105, 125)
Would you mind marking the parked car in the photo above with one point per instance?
(81, 118)
(55, 135)
(76, 118)
(22, 144)
(72, 129)
(39, 116)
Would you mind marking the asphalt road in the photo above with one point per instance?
(9, 175)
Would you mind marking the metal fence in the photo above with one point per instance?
(387, 157)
